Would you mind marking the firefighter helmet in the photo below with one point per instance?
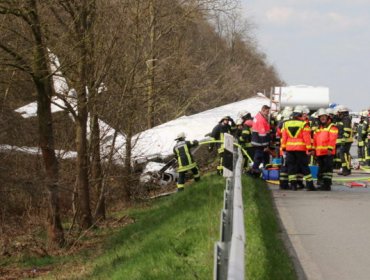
(298, 109)
(245, 115)
(322, 112)
(286, 114)
(225, 118)
(305, 110)
(330, 111)
(342, 108)
(181, 135)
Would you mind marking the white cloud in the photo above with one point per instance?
(280, 14)
(313, 19)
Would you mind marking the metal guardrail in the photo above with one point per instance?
(229, 251)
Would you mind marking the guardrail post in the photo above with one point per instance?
(229, 252)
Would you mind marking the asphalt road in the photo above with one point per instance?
(327, 233)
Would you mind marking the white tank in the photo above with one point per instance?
(313, 97)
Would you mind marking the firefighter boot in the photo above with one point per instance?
(345, 171)
(284, 185)
(310, 186)
(293, 185)
(300, 185)
(325, 187)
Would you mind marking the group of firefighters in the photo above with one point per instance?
(294, 136)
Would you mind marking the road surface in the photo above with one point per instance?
(328, 233)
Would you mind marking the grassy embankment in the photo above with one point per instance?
(173, 238)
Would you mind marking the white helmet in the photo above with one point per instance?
(305, 109)
(239, 122)
(314, 115)
(364, 113)
(298, 109)
(181, 135)
(286, 114)
(342, 108)
(288, 108)
(279, 117)
(322, 112)
(242, 113)
(329, 111)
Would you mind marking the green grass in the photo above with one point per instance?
(173, 238)
(266, 254)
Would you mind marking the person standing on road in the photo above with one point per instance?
(346, 136)
(283, 175)
(360, 139)
(185, 160)
(296, 146)
(324, 142)
(261, 139)
(338, 123)
(366, 137)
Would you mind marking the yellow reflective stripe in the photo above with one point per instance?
(296, 143)
(324, 147)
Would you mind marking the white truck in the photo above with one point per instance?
(313, 97)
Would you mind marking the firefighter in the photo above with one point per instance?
(283, 176)
(306, 118)
(185, 160)
(360, 140)
(244, 137)
(296, 146)
(339, 124)
(345, 134)
(225, 125)
(366, 137)
(324, 142)
(245, 116)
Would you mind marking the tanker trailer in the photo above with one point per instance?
(313, 97)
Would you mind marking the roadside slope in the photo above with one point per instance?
(173, 237)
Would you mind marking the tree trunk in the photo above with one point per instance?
(54, 225)
(127, 165)
(151, 66)
(84, 215)
(96, 169)
(43, 84)
(84, 73)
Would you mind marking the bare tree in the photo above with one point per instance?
(32, 57)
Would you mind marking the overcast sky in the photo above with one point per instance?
(317, 43)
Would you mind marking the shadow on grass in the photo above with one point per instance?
(266, 255)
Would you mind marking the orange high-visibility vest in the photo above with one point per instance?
(324, 139)
(296, 136)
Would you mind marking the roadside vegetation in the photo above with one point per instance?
(173, 237)
(133, 65)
